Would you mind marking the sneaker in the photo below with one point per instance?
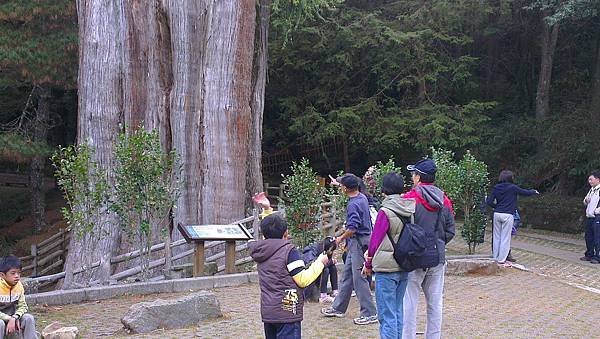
(511, 259)
(326, 299)
(585, 259)
(332, 312)
(366, 320)
(595, 261)
(505, 264)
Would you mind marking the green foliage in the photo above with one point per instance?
(85, 188)
(38, 42)
(146, 187)
(373, 177)
(304, 198)
(18, 148)
(465, 182)
(383, 75)
(288, 15)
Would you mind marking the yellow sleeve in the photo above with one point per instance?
(307, 276)
(21, 306)
(265, 213)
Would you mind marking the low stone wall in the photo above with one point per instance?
(62, 297)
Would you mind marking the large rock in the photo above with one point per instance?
(173, 313)
(56, 330)
(471, 266)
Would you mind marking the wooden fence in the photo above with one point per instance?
(48, 256)
(330, 221)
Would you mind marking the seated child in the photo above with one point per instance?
(14, 318)
(282, 277)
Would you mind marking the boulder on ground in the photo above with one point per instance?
(181, 312)
(471, 266)
(56, 330)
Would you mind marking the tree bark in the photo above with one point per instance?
(185, 68)
(36, 168)
(100, 111)
(595, 105)
(254, 177)
(549, 37)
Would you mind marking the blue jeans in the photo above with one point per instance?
(389, 292)
(283, 331)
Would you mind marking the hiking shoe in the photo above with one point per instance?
(326, 299)
(332, 312)
(585, 259)
(362, 320)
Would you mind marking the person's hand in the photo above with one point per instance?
(324, 260)
(586, 200)
(262, 200)
(12, 326)
(334, 261)
(366, 271)
(537, 192)
(333, 181)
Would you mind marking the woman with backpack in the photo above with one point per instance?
(390, 280)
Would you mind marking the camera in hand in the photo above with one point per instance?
(329, 246)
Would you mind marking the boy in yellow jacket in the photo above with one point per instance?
(14, 318)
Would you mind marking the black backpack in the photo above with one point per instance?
(416, 246)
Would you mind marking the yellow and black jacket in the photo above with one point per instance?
(12, 300)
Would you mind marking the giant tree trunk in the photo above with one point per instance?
(185, 68)
(36, 169)
(254, 178)
(100, 111)
(542, 99)
(595, 107)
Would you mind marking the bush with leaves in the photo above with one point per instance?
(85, 188)
(147, 182)
(304, 197)
(465, 183)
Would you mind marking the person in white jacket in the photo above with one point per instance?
(592, 212)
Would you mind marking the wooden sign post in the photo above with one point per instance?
(198, 234)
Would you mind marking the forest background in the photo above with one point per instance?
(515, 82)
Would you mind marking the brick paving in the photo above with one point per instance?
(555, 299)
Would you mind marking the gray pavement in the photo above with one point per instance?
(556, 298)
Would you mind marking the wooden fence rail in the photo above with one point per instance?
(48, 255)
(55, 251)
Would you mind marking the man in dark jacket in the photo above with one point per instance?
(433, 211)
(282, 277)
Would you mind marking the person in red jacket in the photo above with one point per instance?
(431, 204)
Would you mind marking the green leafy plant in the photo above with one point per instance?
(304, 197)
(84, 185)
(465, 183)
(85, 188)
(147, 182)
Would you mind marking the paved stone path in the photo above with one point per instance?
(556, 298)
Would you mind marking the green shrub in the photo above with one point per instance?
(304, 197)
(465, 182)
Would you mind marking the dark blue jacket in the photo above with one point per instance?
(504, 197)
(358, 216)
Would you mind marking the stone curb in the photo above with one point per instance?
(61, 297)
